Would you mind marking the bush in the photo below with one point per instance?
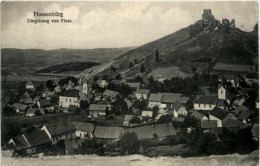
(129, 143)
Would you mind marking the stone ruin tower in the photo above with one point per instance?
(207, 16)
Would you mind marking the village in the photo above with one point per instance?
(121, 116)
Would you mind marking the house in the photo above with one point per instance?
(118, 82)
(179, 109)
(60, 131)
(208, 124)
(108, 134)
(255, 132)
(155, 100)
(148, 114)
(205, 102)
(69, 97)
(29, 85)
(134, 85)
(127, 120)
(220, 115)
(36, 99)
(233, 79)
(142, 94)
(44, 103)
(129, 103)
(97, 110)
(109, 94)
(239, 109)
(155, 131)
(20, 108)
(32, 143)
(245, 115)
(31, 112)
(102, 83)
(84, 129)
(26, 98)
(71, 146)
(234, 124)
(200, 114)
(232, 68)
(169, 99)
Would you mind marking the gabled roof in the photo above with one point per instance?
(84, 127)
(239, 109)
(172, 97)
(104, 132)
(221, 102)
(199, 114)
(134, 85)
(60, 128)
(110, 93)
(233, 67)
(38, 137)
(147, 114)
(207, 99)
(255, 130)
(231, 123)
(45, 102)
(177, 105)
(129, 103)
(102, 82)
(70, 93)
(16, 105)
(155, 97)
(31, 110)
(118, 82)
(178, 119)
(29, 83)
(128, 118)
(97, 107)
(219, 113)
(142, 91)
(153, 131)
(207, 124)
(37, 98)
(245, 114)
(23, 107)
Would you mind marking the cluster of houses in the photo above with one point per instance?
(214, 111)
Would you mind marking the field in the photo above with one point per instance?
(136, 160)
(168, 72)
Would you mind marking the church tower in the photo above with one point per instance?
(85, 87)
(222, 92)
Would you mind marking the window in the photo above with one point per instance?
(70, 100)
(221, 92)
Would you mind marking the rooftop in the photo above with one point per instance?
(172, 97)
(155, 97)
(205, 99)
(219, 113)
(233, 67)
(104, 132)
(97, 107)
(70, 93)
(84, 127)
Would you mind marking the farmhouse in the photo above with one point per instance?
(205, 102)
(31, 112)
(200, 114)
(156, 131)
(109, 94)
(29, 85)
(84, 129)
(179, 109)
(220, 115)
(127, 120)
(32, 143)
(134, 85)
(169, 99)
(148, 114)
(155, 100)
(108, 134)
(102, 83)
(69, 97)
(59, 131)
(232, 68)
(97, 110)
(142, 94)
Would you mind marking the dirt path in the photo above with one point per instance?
(134, 160)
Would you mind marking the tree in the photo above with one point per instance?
(131, 64)
(37, 113)
(142, 69)
(129, 143)
(155, 111)
(84, 104)
(118, 77)
(139, 79)
(165, 119)
(135, 120)
(50, 85)
(156, 53)
(105, 77)
(8, 111)
(193, 69)
(139, 104)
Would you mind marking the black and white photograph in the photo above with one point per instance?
(129, 83)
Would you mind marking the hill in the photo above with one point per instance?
(15, 61)
(198, 46)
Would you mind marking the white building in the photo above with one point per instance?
(205, 103)
(142, 94)
(69, 97)
(29, 85)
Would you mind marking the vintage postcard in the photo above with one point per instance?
(109, 83)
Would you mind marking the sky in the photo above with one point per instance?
(110, 24)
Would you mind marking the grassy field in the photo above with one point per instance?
(136, 160)
(168, 72)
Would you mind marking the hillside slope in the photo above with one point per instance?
(200, 45)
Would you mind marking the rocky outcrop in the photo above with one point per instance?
(232, 24)
(207, 15)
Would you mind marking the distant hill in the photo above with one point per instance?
(30, 60)
(200, 45)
